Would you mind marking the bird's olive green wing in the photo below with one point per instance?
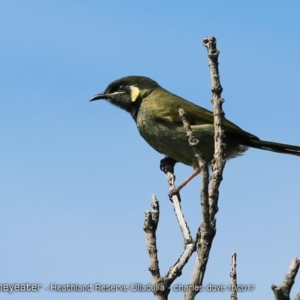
(165, 106)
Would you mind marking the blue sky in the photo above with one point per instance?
(76, 177)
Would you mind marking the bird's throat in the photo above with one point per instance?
(134, 110)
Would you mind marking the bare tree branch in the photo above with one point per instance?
(282, 292)
(178, 212)
(233, 276)
(161, 288)
(150, 226)
(219, 161)
(209, 201)
(162, 285)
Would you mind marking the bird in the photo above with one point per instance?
(155, 112)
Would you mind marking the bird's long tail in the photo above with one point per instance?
(272, 146)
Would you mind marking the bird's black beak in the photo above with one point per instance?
(100, 96)
(106, 95)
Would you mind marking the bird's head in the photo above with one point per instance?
(128, 92)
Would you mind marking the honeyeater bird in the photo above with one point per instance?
(155, 111)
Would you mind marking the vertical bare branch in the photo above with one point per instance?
(218, 162)
(209, 201)
(233, 276)
(150, 226)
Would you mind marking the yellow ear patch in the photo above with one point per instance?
(134, 92)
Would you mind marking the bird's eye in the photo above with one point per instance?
(124, 88)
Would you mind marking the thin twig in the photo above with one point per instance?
(193, 142)
(233, 276)
(176, 270)
(178, 212)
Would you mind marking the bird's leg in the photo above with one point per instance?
(177, 189)
(167, 165)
